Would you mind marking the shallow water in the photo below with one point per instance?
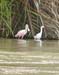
(29, 57)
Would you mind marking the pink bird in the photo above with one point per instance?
(23, 32)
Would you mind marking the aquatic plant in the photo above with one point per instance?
(14, 14)
(5, 17)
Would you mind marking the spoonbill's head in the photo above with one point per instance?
(27, 27)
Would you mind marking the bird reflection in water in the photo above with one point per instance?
(38, 42)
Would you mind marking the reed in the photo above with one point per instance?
(14, 14)
(5, 14)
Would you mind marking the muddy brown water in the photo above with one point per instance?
(29, 57)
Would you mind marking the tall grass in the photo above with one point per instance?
(5, 13)
(14, 14)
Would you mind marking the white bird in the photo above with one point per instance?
(39, 35)
(23, 32)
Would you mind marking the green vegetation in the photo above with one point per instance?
(5, 14)
(14, 14)
(12, 17)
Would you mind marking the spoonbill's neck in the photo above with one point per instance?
(27, 28)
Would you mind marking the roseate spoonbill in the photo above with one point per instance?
(39, 35)
(23, 32)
